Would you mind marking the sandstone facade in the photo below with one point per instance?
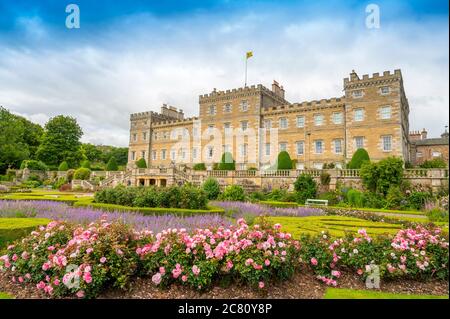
(255, 123)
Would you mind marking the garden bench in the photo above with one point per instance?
(317, 202)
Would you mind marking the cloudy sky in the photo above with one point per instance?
(132, 56)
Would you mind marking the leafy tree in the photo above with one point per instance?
(434, 163)
(82, 173)
(63, 167)
(112, 165)
(13, 147)
(61, 142)
(358, 158)
(227, 163)
(305, 188)
(284, 161)
(379, 177)
(141, 163)
(212, 188)
(86, 164)
(92, 153)
(33, 165)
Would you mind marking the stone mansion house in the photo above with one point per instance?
(255, 123)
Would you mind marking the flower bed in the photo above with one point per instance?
(416, 253)
(104, 254)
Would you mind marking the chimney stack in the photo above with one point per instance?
(424, 134)
(277, 89)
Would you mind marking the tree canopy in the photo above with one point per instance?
(61, 142)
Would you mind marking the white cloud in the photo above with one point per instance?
(141, 62)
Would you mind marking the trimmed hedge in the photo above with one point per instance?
(227, 162)
(15, 228)
(358, 158)
(185, 197)
(150, 210)
(284, 160)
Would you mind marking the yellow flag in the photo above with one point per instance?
(249, 54)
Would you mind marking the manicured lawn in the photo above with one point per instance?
(335, 225)
(4, 295)
(14, 228)
(47, 195)
(337, 293)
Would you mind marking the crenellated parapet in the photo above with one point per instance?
(305, 106)
(242, 92)
(355, 82)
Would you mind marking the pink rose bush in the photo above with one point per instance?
(255, 255)
(66, 259)
(415, 253)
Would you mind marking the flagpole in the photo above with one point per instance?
(246, 59)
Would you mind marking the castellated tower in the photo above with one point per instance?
(376, 114)
(141, 131)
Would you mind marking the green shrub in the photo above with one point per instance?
(227, 162)
(34, 165)
(305, 188)
(63, 167)
(212, 188)
(284, 161)
(141, 163)
(329, 166)
(86, 164)
(112, 165)
(199, 167)
(395, 198)
(257, 196)
(437, 215)
(233, 193)
(417, 200)
(82, 173)
(186, 196)
(277, 195)
(325, 179)
(358, 158)
(379, 177)
(374, 200)
(332, 197)
(434, 163)
(59, 182)
(355, 198)
(252, 169)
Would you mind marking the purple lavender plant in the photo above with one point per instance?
(241, 209)
(60, 211)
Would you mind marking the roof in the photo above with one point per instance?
(431, 141)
